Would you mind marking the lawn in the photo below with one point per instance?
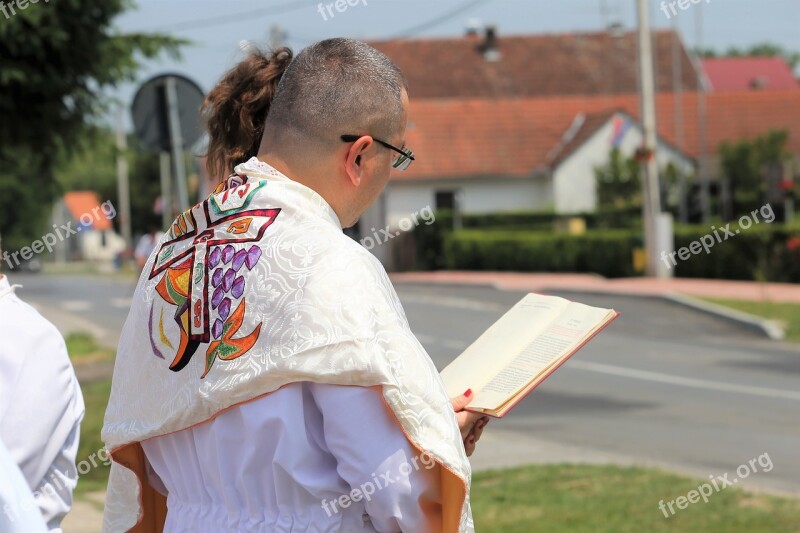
(83, 349)
(787, 314)
(578, 498)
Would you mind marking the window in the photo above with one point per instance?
(445, 200)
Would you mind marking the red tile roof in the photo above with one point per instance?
(80, 203)
(462, 138)
(581, 130)
(534, 65)
(749, 73)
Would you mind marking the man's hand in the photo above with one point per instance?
(470, 424)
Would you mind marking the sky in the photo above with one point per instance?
(218, 28)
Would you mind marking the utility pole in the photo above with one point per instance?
(123, 187)
(657, 232)
(277, 37)
(677, 89)
(176, 143)
(705, 187)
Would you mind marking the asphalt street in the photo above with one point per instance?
(663, 385)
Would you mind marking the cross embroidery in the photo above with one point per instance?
(200, 264)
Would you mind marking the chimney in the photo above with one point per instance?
(473, 29)
(489, 46)
(758, 83)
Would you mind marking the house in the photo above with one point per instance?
(512, 155)
(504, 123)
(749, 74)
(84, 229)
(491, 65)
(488, 126)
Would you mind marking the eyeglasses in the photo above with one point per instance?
(400, 162)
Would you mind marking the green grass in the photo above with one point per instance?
(785, 313)
(82, 348)
(579, 498)
(95, 396)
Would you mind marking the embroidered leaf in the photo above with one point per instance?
(228, 348)
(167, 253)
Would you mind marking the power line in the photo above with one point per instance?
(458, 10)
(287, 7)
(210, 22)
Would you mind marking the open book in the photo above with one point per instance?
(521, 349)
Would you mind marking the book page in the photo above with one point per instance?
(559, 339)
(496, 348)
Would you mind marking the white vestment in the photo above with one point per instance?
(41, 405)
(304, 462)
(251, 290)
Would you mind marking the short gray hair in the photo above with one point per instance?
(336, 87)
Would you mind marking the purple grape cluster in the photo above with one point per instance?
(228, 284)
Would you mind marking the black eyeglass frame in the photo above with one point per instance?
(405, 153)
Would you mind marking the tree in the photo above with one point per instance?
(57, 59)
(91, 165)
(757, 50)
(618, 183)
(745, 163)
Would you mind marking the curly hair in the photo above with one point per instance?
(235, 110)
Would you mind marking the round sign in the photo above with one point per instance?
(151, 111)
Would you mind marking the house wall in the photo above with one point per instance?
(574, 180)
(87, 245)
(476, 196)
(100, 245)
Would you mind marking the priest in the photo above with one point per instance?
(267, 378)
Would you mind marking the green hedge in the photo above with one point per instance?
(429, 239)
(608, 252)
(760, 252)
(757, 253)
(629, 217)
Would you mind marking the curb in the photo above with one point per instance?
(762, 326)
(768, 328)
(759, 325)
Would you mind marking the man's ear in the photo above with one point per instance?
(354, 162)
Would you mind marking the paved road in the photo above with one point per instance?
(93, 304)
(662, 386)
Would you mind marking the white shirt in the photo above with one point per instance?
(146, 244)
(20, 512)
(288, 459)
(41, 405)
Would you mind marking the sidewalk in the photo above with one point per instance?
(703, 288)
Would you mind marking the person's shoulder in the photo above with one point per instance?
(25, 328)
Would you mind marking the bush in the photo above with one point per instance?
(429, 240)
(762, 252)
(608, 252)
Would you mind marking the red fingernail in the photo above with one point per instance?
(468, 393)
